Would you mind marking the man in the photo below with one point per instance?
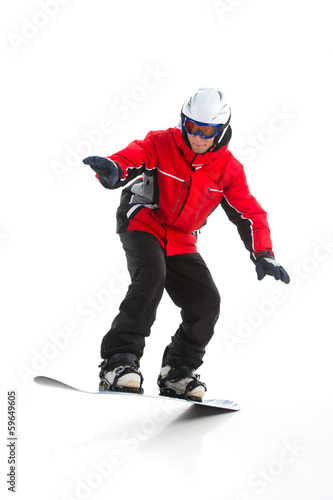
(182, 174)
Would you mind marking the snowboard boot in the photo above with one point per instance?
(125, 378)
(181, 382)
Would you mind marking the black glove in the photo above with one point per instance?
(268, 265)
(106, 169)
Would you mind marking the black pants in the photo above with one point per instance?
(188, 282)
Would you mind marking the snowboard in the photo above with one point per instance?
(222, 404)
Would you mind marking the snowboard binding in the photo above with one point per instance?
(175, 384)
(110, 379)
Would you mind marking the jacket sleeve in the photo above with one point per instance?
(138, 157)
(246, 213)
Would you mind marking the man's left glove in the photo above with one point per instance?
(106, 169)
(268, 265)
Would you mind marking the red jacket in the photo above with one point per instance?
(178, 189)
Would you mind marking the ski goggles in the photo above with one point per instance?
(205, 130)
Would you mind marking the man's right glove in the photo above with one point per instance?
(268, 265)
(107, 170)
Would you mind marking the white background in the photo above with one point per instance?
(66, 69)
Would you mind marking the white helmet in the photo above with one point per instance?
(209, 106)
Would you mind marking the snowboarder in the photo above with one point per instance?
(181, 175)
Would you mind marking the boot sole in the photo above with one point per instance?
(106, 386)
(170, 393)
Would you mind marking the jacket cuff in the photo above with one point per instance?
(264, 253)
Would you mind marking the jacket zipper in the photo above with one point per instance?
(188, 190)
(203, 201)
